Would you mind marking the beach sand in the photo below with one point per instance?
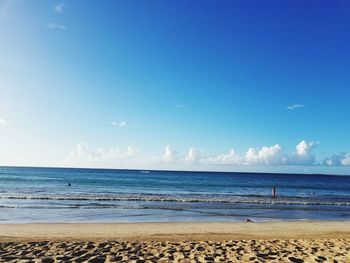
(308, 241)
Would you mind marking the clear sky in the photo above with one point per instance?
(204, 85)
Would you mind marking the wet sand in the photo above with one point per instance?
(177, 242)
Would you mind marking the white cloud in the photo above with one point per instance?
(252, 156)
(121, 124)
(303, 155)
(58, 8)
(230, 158)
(130, 153)
(272, 155)
(342, 159)
(346, 160)
(295, 106)
(267, 155)
(170, 154)
(56, 26)
(304, 148)
(82, 153)
(193, 156)
(2, 121)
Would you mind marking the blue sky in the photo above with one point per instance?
(176, 84)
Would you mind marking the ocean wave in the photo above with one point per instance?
(189, 198)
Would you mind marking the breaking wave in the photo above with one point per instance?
(189, 198)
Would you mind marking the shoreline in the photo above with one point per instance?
(175, 231)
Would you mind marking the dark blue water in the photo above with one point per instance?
(100, 195)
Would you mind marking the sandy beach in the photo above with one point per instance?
(309, 241)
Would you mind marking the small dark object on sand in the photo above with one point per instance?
(249, 220)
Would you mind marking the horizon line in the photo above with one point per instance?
(168, 170)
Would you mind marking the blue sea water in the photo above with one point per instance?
(33, 195)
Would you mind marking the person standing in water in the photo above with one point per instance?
(274, 191)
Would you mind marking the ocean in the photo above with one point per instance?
(63, 195)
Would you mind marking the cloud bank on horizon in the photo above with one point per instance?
(267, 155)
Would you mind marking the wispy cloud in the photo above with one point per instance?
(56, 26)
(295, 106)
(2, 121)
(58, 8)
(181, 106)
(121, 124)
